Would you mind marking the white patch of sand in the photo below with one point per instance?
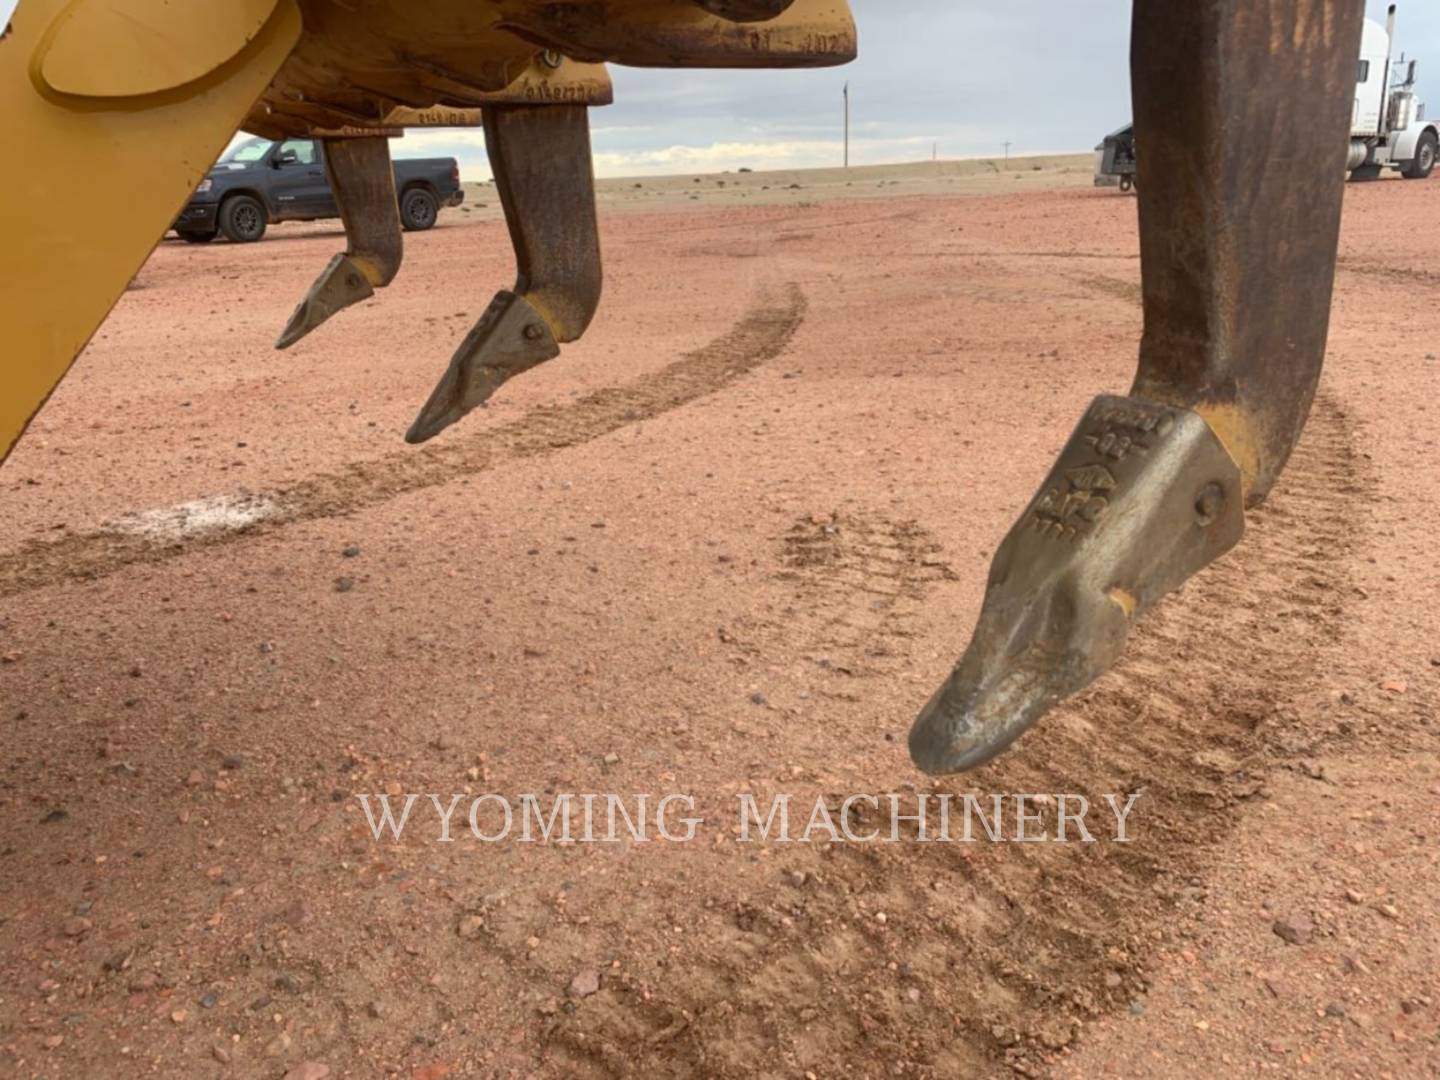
(215, 513)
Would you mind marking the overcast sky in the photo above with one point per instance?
(1046, 75)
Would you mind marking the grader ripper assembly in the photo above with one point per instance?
(1239, 224)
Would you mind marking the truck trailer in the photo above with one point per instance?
(1388, 127)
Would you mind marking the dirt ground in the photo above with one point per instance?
(728, 543)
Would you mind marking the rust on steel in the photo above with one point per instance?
(1239, 225)
(1242, 119)
(363, 183)
(355, 65)
(540, 155)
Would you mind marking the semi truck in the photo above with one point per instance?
(1388, 127)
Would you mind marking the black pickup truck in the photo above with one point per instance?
(258, 181)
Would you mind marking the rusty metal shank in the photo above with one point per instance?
(745, 10)
(363, 182)
(1242, 122)
(540, 156)
(1241, 118)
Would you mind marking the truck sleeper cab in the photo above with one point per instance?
(1388, 129)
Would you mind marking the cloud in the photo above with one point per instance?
(1045, 76)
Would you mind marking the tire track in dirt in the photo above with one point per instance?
(1115, 288)
(810, 221)
(763, 333)
(1405, 275)
(1129, 291)
(1097, 255)
(994, 956)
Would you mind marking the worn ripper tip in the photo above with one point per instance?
(1142, 496)
(339, 285)
(510, 337)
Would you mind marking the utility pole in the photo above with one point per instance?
(1007, 152)
(847, 124)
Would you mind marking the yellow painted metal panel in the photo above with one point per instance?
(91, 186)
(125, 48)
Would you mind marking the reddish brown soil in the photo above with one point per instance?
(730, 542)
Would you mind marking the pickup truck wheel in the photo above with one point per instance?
(242, 219)
(1423, 162)
(418, 210)
(195, 237)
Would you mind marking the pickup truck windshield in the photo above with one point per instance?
(252, 149)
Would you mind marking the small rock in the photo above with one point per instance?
(295, 913)
(76, 926)
(1353, 965)
(233, 762)
(881, 918)
(757, 698)
(612, 758)
(210, 1000)
(1395, 686)
(1112, 979)
(470, 927)
(220, 1054)
(1355, 896)
(54, 815)
(52, 1042)
(344, 584)
(1390, 911)
(1137, 1008)
(278, 1045)
(178, 1016)
(1294, 929)
(308, 1070)
(118, 962)
(584, 984)
(351, 552)
(376, 1009)
(289, 983)
(913, 994)
(146, 980)
(1335, 1008)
